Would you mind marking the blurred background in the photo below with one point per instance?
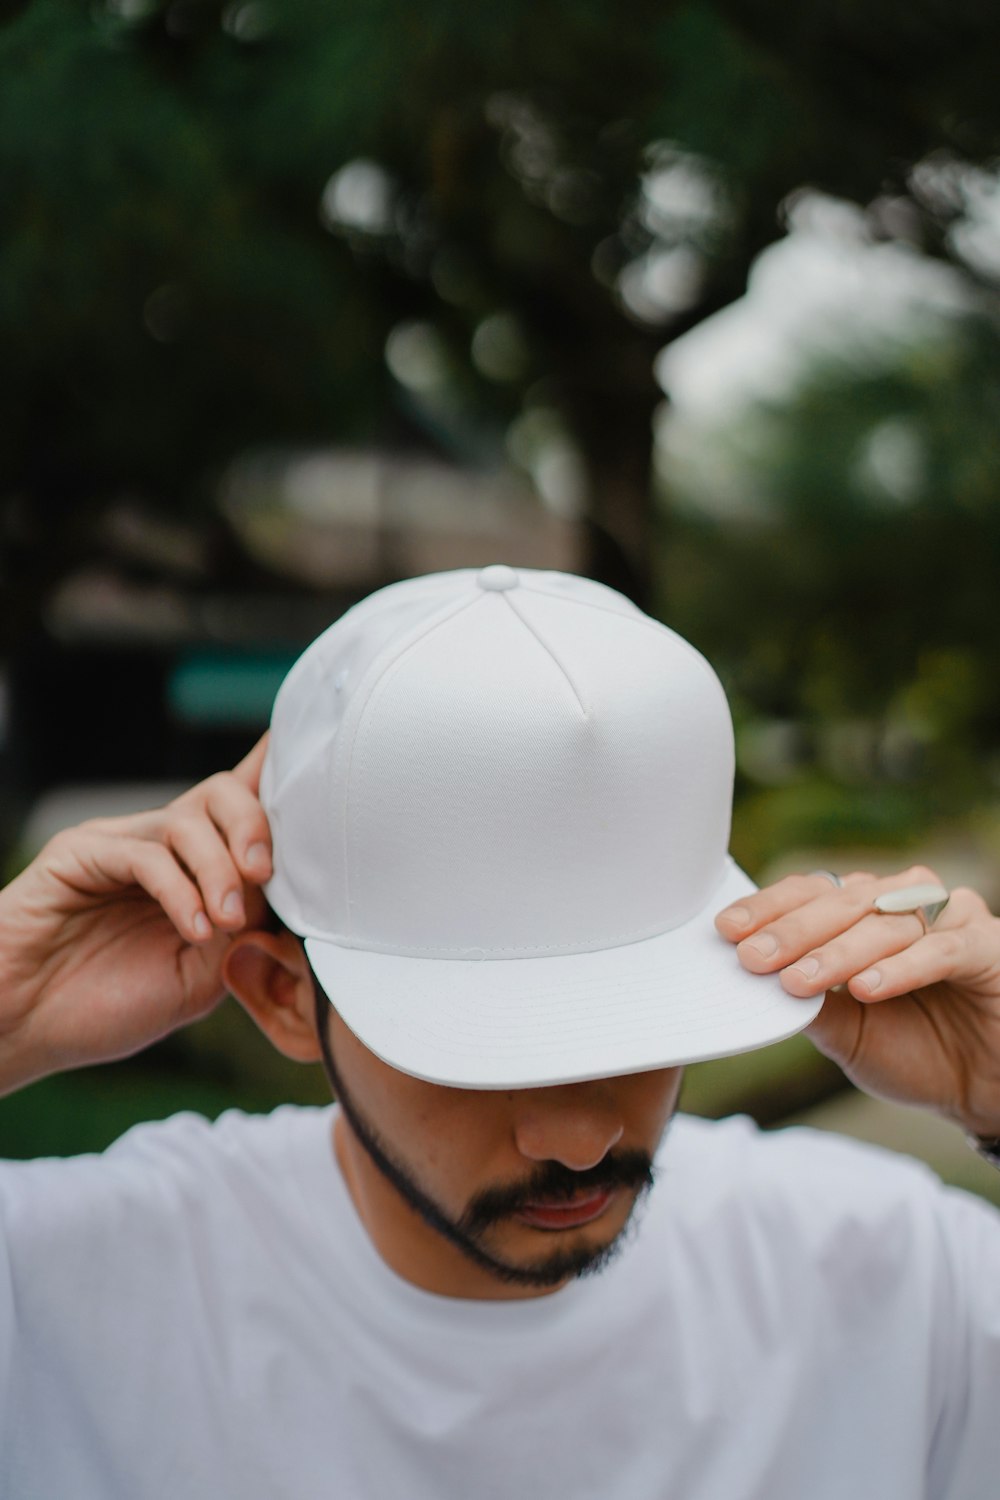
(701, 299)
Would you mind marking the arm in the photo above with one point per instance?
(909, 1014)
(115, 934)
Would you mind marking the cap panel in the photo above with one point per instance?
(666, 729)
(313, 712)
(536, 777)
(304, 725)
(582, 591)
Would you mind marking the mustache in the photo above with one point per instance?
(554, 1183)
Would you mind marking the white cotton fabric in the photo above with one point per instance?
(199, 1313)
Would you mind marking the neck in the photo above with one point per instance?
(410, 1246)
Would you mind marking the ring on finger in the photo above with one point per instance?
(830, 875)
(924, 901)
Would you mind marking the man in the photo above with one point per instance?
(499, 804)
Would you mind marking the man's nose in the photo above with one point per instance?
(576, 1124)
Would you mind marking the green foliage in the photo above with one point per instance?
(879, 536)
(169, 295)
(852, 610)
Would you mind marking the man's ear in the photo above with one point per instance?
(270, 977)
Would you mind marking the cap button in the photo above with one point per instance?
(497, 577)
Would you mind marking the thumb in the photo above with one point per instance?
(249, 768)
(836, 1031)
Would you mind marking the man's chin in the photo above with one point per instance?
(559, 1266)
(547, 1255)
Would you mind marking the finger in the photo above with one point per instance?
(249, 768)
(791, 935)
(866, 942)
(236, 811)
(877, 937)
(236, 814)
(770, 902)
(960, 953)
(197, 842)
(122, 862)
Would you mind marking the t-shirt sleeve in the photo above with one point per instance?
(139, 1290)
(896, 1283)
(8, 1332)
(965, 1456)
(85, 1245)
(51, 1234)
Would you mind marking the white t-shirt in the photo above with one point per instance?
(199, 1313)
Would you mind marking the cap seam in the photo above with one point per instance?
(549, 651)
(638, 618)
(437, 950)
(558, 950)
(376, 687)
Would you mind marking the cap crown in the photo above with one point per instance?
(497, 765)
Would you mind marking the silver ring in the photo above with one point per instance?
(924, 901)
(833, 878)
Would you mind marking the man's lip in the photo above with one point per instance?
(563, 1215)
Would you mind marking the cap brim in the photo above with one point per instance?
(677, 998)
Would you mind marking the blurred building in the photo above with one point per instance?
(155, 665)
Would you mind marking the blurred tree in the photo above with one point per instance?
(222, 218)
(874, 525)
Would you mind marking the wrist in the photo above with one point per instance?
(22, 1060)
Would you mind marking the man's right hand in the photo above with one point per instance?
(114, 935)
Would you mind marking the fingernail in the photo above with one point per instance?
(736, 916)
(200, 925)
(232, 906)
(763, 945)
(257, 855)
(871, 979)
(808, 966)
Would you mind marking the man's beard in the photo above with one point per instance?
(551, 1182)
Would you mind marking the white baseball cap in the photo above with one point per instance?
(500, 803)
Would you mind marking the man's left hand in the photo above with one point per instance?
(918, 1017)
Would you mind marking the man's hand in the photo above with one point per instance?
(114, 935)
(919, 1018)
